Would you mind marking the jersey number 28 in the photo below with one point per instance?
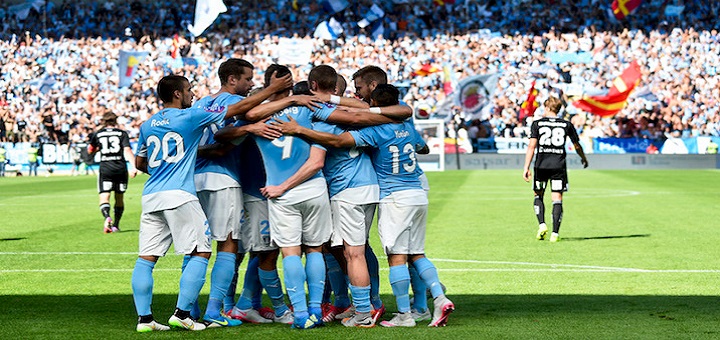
(551, 136)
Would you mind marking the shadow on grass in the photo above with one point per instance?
(476, 316)
(603, 237)
(13, 239)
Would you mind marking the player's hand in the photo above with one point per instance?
(311, 102)
(278, 84)
(264, 130)
(585, 162)
(527, 174)
(291, 127)
(272, 191)
(132, 173)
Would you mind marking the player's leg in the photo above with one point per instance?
(154, 241)
(349, 228)
(119, 187)
(338, 281)
(419, 301)
(425, 268)
(104, 186)
(286, 232)
(270, 280)
(558, 185)
(395, 242)
(254, 224)
(539, 184)
(223, 209)
(316, 230)
(191, 235)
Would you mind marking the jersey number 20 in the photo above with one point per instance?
(164, 147)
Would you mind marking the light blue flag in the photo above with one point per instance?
(328, 30)
(128, 65)
(375, 13)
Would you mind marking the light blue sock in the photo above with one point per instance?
(220, 279)
(271, 282)
(250, 284)
(142, 286)
(400, 283)
(361, 298)
(229, 301)
(428, 273)
(295, 283)
(191, 282)
(374, 270)
(195, 310)
(337, 281)
(419, 290)
(315, 273)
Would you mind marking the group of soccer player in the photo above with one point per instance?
(279, 171)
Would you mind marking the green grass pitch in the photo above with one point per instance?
(638, 258)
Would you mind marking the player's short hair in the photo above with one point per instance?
(371, 73)
(385, 95)
(341, 85)
(553, 104)
(280, 71)
(168, 85)
(325, 76)
(233, 67)
(109, 118)
(302, 87)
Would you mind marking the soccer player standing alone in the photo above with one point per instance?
(114, 147)
(547, 137)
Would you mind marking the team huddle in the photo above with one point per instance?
(293, 170)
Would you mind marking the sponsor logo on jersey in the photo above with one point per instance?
(215, 108)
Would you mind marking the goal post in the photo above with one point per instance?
(433, 132)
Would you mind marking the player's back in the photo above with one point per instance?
(220, 172)
(394, 160)
(346, 168)
(283, 156)
(111, 143)
(551, 134)
(169, 140)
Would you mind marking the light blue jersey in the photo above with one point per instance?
(284, 156)
(346, 168)
(394, 160)
(252, 173)
(222, 172)
(169, 140)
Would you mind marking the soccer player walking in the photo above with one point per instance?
(547, 138)
(114, 147)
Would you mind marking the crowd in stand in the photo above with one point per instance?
(59, 66)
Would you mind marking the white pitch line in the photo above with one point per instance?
(557, 267)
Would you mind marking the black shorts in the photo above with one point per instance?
(112, 181)
(557, 177)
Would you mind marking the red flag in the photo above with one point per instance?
(623, 8)
(616, 99)
(530, 105)
(175, 46)
(447, 81)
(425, 70)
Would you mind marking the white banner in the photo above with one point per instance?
(294, 51)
